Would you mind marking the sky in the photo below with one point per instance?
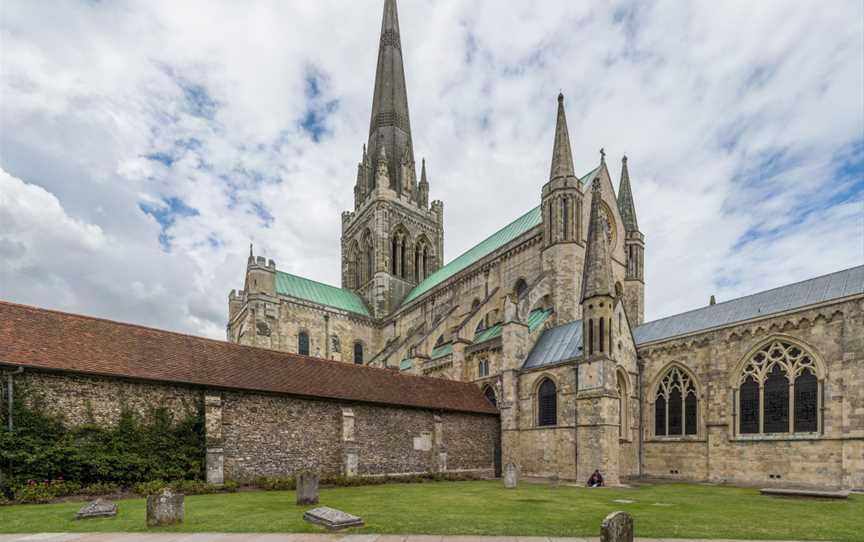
(145, 144)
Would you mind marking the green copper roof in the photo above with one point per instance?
(405, 364)
(441, 351)
(489, 245)
(536, 318)
(317, 292)
(489, 333)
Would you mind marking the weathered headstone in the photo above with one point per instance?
(165, 508)
(617, 527)
(511, 476)
(307, 487)
(332, 518)
(100, 508)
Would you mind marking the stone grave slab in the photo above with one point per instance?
(332, 518)
(617, 527)
(100, 508)
(165, 508)
(307, 488)
(511, 476)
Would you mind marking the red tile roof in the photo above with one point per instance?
(52, 340)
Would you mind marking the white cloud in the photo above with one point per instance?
(699, 95)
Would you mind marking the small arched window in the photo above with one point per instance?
(483, 368)
(490, 395)
(358, 353)
(547, 403)
(778, 391)
(521, 289)
(303, 343)
(676, 405)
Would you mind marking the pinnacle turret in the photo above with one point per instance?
(562, 156)
(389, 124)
(597, 271)
(625, 200)
(423, 190)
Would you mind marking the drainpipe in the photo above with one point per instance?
(10, 394)
(326, 336)
(640, 363)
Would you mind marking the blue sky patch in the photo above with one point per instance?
(314, 118)
(166, 214)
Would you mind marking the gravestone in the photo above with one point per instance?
(554, 481)
(100, 508)
(617, 527)
(510, 476)
(307, 487)
(332, 518)
(165, 508)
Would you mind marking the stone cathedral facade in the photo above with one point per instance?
(546, 317)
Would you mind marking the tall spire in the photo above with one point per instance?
(597, 272)
(562, 157)
(389, 124)
(423, 190)
(625, 199)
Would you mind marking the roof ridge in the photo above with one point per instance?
(787, 285)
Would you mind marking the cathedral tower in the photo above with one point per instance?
(393, 239)
(562, 198)
(634, 250)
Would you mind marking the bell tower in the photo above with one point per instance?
(393, 239)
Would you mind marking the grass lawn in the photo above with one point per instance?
(485, 507)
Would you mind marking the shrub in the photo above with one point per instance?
(100, 488)
(152, 446)
(152, 487)
(230, 486)
(34, 492)
(275, 483)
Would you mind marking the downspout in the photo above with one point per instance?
(10, 394)
(326, 336)
(640, 363)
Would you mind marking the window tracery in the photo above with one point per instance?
(676, 405)
(778, 391)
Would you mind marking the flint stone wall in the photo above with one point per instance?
(253, 434)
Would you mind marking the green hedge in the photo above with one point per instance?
(43, 449)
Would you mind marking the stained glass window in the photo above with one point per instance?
(303, 343)
(690, 412)
(749, 406)
(358, 353)
(776, 415)
(547, 403)
(660, 416)
(675, 415)
(806, 399)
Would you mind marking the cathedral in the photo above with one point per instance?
(546, 315)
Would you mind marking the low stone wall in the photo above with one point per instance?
(254, 434)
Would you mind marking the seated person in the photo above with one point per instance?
(596, 479)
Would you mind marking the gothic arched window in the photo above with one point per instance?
(490, 395)
(303, 343)
(483, 368)
(778, 391)
(676, 405)
(358, 353)
(547, 403)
